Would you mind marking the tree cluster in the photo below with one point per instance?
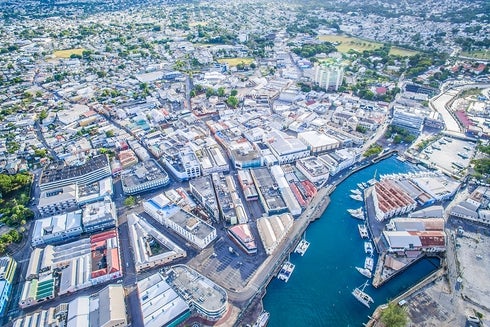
(373, 150)
(310, 50)
(399, 134)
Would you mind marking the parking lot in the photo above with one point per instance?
(449, 154)
(230, 270)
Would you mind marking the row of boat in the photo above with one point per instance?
(288, 267)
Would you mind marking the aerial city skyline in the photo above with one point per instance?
(162, 163)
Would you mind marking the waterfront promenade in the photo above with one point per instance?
(269, 268)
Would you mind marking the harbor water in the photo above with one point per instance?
(319, 291)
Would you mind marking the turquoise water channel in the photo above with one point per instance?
(319, 290)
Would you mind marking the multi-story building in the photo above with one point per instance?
(389, 200)
(329, 76)
(208, 299)
(182, 163)
(7, 272)
(58, 200)
(188, 226)
(99, 216)
(313, 168)
(76, 265)
(105, 309)
(160, 304)
(318, 142)
(58, 175)
(203, 191)
(427, 241)
(286, 148)
(409, 119)
(151, 248)
(268, 191)
(57, 229)
(145, 176)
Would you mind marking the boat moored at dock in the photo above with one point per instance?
(356, 191)
(357, 213)
(362, 296)
(369, 264)
(356, 197)
(365, 272)
(302, 247)
(363, 231)
(286, 271)
(368, 247)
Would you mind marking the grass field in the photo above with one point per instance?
(236, 61)
(68, 52)
(483, 54)
(396, 51)
(346, 43)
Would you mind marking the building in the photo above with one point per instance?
(313, 168)
(105, 309)
(151, 248)
(37, 290)
(390, 200)
(182, 163)
(273, 230)
(268, 191)
(58, 175)
(318, 142)
(203, 191)
(145, 176)
(426, 241)
(99, 216)
(243, 154)
(127, 158)
(7, 272)
(188, 226)
(242, 236)
(286, 148)
(211, 157)
(409, 119)
(160, 304)
(206, 298)
(57, 229)
(328, 76)
(56, 201)
(67, 268)
(286, 192)
(231, 206)
(248, 187)
(339, 160)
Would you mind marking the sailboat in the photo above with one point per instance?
(362, 296)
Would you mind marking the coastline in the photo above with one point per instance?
(313, 212)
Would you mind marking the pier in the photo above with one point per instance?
(273, 264)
